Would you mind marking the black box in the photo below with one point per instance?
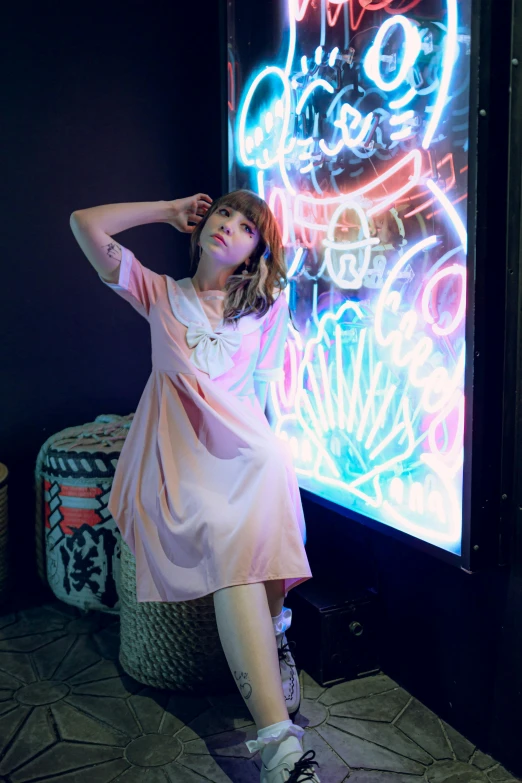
(335, 631)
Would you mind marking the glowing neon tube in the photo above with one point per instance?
(450, 50)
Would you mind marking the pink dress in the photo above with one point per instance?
(204, 493)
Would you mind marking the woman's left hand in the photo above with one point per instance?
(188, 212)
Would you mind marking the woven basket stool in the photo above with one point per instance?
(4, 557)
(170, 645)
(77, 540)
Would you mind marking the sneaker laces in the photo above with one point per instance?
(303, 769)
(286, 649)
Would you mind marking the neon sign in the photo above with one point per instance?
(356, 135)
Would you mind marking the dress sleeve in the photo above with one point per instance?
(136, 284)
(269, 365)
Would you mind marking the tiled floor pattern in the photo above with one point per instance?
(69, 714)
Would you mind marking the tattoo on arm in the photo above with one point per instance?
(113, 250)
(244, 686)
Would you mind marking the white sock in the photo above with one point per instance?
(272, 736)
(283, 621)
(273, 753)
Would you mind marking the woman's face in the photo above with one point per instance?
(228, 237)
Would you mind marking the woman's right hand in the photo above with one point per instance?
(188, 212)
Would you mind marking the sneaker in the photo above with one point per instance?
(289, 676)
(291, 771)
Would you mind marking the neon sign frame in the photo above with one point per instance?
(322, 394)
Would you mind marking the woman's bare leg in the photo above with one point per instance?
(275, 593)
(247, 635)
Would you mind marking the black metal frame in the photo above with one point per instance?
(511, 493)
(489, 103)
(224, 38)
(487, 407)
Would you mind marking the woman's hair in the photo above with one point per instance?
(254, 291)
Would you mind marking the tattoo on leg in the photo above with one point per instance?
(244, 687)
(113, 250)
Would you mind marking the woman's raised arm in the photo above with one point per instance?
(94, 228)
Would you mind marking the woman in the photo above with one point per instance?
(204, 493)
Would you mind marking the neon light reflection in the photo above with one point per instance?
(351, 137)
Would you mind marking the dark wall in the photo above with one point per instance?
(124, 106)
(100, 105)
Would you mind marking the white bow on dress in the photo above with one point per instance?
(213, 351)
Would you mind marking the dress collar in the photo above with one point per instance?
(187, 309)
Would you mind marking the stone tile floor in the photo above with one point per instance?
(68, 713)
